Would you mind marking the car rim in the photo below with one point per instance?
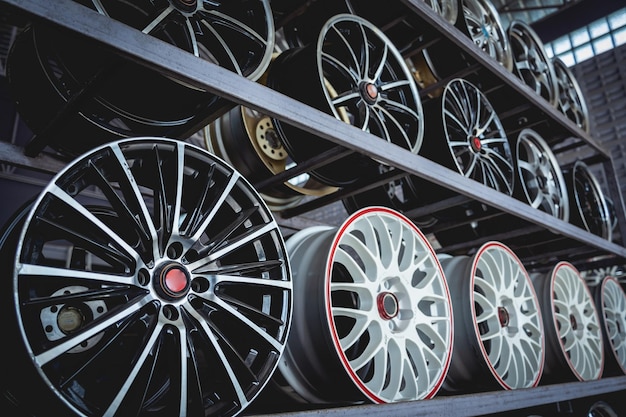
(612, 305)
(499, 315)
(541, 176)
(371, 87)
(175, 285)
(531, 62)
(591, 209)
(571, 101)
(386, 306)
(133, 100)
(601, 409)
(475, 136)
(482, 24)
(448, 9)
(572, 324)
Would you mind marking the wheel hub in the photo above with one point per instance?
(387, 304)
(476, 144)
(369, 91)
(573, 322)
(269, 141)
(185, 5)
(70, 319)
(503, 316)
(173, 281)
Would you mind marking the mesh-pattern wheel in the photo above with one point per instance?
(531, 61)
(574, 347)
(150, 279)
(499, 339)
(353, 72)
(610, 301)
(571, 101)
(480, 21)
(589, 209)
(475, 143)
(541, 176)
(48, 69)
(372, 315)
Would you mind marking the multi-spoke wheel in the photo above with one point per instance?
(372, 317)
(475, 143)
(570, 100)
(573, 335)
(498, 329)
(531, 61)
(540, 175)
(610, 301)
(150, 279)
(353, 72)
(589, 209)
(103, 97)
(601, 409)
(447, 9)
(480, 21)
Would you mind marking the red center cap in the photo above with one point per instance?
(175, 280)
(371, 91)
(476, 144)
(503, 316)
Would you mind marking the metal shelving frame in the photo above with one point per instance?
(174, 62)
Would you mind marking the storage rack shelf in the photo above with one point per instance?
(582, 248)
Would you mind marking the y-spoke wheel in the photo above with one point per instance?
(353, 72)
(532, 63)
(103, 97)
(611, 302)
(498, 328)
(372, 313)
(571, 101)
(589, 208)
(481, 22)
(150, 279)
(573, 336)
(541, 177)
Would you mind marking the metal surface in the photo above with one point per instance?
(571, 101)
(178, 268)
(610, 301)
(372, 313)
(497, 315)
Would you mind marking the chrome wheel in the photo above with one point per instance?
(150, 279)
(589, 209)
(481, 23)
(447, 9)
(497, 315)
(372, 313)
(611, 303)
(356, 74)
(531, 62)
(48, 68)
(541, 177)
(476, 139)
(573, 334)
(571, 101)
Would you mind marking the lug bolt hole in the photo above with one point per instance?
(175, 250)
(170, 312)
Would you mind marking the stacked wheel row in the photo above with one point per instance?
(76, 96)
(149, 278)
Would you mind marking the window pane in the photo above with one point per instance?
(568, 59)
(548, 48)
(618, 19)
(583, 52)
(580, 36)
(619, 36)
(603, 44)
(598, 28)
(561, 45)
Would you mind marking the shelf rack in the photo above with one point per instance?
(580, 247)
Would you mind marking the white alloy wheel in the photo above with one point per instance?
(611, 302)
(573, 335)
(498, 327)
(372, 312)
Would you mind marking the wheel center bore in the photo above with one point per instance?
(573, 322)
(173, 281)
(369, 91)
(185, 5)
(70, 319)
(387, 304)
(476, 144)
(503, 316)
(541, 182)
